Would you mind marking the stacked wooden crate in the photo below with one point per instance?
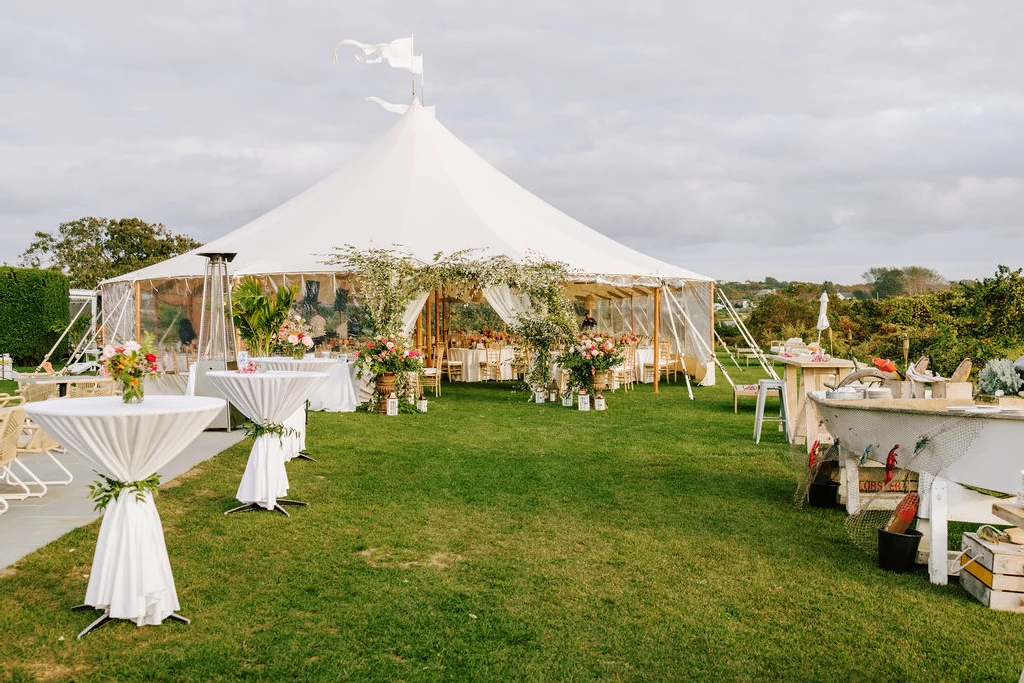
(993, 573)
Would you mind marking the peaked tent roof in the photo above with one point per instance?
(418, 186)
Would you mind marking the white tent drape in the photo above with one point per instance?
(412, 312)
(507, 304)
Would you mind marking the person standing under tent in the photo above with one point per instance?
(318, 328)
(186, 333)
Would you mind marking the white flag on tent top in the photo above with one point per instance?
(398, 53)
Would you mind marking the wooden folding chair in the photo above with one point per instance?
(490, 368)
(431, 375)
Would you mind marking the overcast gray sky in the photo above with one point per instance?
(803, 140)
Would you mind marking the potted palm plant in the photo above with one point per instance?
(259, 317)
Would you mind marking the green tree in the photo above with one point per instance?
(791, 312)
(921, 280)
(885, 282)
(89, 250)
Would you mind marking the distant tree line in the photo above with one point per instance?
(968, 319)
(909, 281)
(880, 282)
(89, 250)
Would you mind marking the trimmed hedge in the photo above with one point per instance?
(34, 310)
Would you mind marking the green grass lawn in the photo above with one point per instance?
(494, 539)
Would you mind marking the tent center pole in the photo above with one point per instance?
(657, 329)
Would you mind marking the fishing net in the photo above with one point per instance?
(903, 445)
(885, 450)
(820, 465)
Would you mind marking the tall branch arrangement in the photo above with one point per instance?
(389, 279)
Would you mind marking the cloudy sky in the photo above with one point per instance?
(802, 140)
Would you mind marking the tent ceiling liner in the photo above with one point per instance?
(420, 188)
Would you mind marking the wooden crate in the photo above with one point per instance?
(870, 476)
(993, 573)
(960, 390)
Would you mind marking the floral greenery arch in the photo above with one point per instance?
(391, 278)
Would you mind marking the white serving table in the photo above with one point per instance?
(472, 358)
(131, 572)
(268, 399)
(61, 381)
(294, 443)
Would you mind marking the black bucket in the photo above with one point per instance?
(823, 495)
(898, 552)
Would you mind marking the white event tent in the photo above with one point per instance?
(419, 188)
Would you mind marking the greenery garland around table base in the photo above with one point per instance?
(109, 489)
(257, 430)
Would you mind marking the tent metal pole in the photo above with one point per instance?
(138, 310)
(755, 347)
(657, 329)
(726, 347)
(672, 326)
(61, 337)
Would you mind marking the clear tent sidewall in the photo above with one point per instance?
(621, 306)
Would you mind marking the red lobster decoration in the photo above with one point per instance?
(890, 464)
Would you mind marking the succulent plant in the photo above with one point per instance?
(999, 375)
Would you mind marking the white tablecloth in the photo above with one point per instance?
(266, 398)
(131, 572)
(644, 355)
(472, 358)
(161, 384)
(336, 395)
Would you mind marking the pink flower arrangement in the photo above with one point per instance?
(293, 338)
(382, 355)
(593, 353)
(130, 364)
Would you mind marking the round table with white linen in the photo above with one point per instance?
(268, 399)
(472, 358)
(644, 356)
(129, 442)
(336, 395)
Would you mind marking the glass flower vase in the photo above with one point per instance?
(133, 391)
(299, 353)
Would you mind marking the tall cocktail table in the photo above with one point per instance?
(268, 399)
(127, 443)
